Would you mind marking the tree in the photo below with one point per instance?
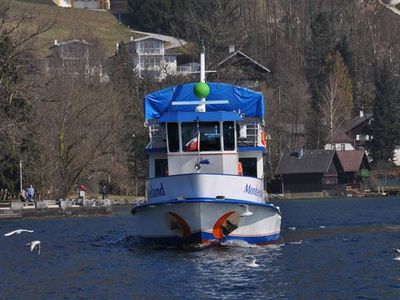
(155, 15)
(18, 83)
(386, 109)
(320, 46)
(210, 23)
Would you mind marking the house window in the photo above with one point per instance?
(229, 136)
(330, 179)
(249, 166)
(173, 137)
(161, 167)
(151, 62)
(169, 59)
(150, 46)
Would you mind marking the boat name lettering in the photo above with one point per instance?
(156, 192)
(253, 191)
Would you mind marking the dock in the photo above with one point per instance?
(52, 208)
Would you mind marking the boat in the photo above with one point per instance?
(206, 164)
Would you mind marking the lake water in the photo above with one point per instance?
(330, 249)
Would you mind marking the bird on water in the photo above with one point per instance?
(253, 263)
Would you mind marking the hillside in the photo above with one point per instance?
(72, 23)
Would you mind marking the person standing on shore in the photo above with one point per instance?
(30, 193)
(22, 195)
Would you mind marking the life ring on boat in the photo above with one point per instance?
(226, 224)
(178, 225)
(240, 169)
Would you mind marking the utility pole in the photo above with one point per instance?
(20, 176)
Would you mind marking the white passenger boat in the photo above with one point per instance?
(206, 159)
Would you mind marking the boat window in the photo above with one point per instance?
(249, 165)
(210, 136)
(189, 137)
(161, 167)
(209, 133)
(173, 137)
(229, 136)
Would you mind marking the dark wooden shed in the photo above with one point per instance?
(310, 172)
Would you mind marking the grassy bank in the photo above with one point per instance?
(72, 23)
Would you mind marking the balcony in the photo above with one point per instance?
(150, 51)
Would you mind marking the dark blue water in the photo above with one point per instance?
(339, 249)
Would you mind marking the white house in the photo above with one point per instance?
(155, 55)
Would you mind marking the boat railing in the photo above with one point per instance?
(157, 136)
(252, 136)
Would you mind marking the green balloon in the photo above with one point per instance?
(201, 89)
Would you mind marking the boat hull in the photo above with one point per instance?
(194, 221)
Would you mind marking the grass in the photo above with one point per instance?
(72, 23)
(397, 6)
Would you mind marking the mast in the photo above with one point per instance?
(202, 106)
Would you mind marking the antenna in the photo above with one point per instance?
(202, 106)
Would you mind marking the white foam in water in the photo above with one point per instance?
(397, 258)
(238, 243)
(292, 228)
(296, 243)
(322, 227)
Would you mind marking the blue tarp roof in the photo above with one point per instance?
(249, 102)
(180, 116)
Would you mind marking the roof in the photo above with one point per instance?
(341, 134)
(173, 42)
(250, 103)
(56, 44)
(352, 160)
(199, 116)
(240, 53)
(312, 161)
(357, 121)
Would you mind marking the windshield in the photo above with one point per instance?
(207, 133)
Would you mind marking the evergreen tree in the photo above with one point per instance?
(319, 47)
(386, 108)
(155, 15)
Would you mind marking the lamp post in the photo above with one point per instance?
(20, 176)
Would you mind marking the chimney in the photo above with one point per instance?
(117, 45)
(131, 38)
(55, 43)
(231, 49)
(361, 112)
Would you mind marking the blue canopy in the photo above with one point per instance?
(248, 102)
(199, 116)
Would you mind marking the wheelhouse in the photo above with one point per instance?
(206, 142)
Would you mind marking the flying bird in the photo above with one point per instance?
(33, 245)
(18, 231)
